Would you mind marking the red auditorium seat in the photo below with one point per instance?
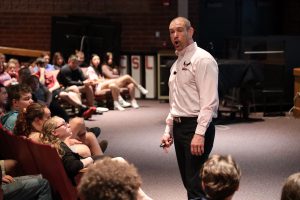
(37, 158)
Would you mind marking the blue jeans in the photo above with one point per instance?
(27, 187)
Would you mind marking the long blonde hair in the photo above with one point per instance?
(47, 136)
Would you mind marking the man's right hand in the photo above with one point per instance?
(167, 140)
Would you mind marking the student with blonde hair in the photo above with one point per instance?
(56, 132)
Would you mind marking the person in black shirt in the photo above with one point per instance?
(71, 75)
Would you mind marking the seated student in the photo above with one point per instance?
(3, 100)
(109, 68)
(291, 188)
(110, 179)
(81, 58)
(41, 94)
(17, 65)
(115, 84)
(48, 66)
(30, 123)
(56, 133)
(12, 68)
(58, 60)
(40, 70)
(25, 187)
(19, 97)
(72, 96)
(220, 177)
(71, 75)
(2, 58)
(5, 78)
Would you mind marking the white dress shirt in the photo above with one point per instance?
(193, 88)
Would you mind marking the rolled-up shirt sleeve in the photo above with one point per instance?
(169, 124)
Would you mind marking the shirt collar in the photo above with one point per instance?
(186, 49)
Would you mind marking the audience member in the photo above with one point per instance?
(48, 66)
(19, 97)
(220, 177)
(56, 132)
(2, 58)
(5, 78)
(96, 77)
(39, 70)
(72, 96)
(58, 60)
(3, 100)
(108, 68)
(110, 179)
(291, 188)
(17, 64)
(12, 68)
(25, 187)
(71, 75)
(81, 58)
(30, 121)
(41, 94)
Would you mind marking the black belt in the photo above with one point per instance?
(183, 119)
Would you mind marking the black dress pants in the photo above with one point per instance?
(190, 165)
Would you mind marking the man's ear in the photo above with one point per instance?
(191, 32)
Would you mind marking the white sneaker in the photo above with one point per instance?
(123, 103)
(134, 104)
(142, 90)
(101, 109)
(118, 106)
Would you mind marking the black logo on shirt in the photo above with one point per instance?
(185, 65)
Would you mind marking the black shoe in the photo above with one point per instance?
(103, 145)
(95, 130)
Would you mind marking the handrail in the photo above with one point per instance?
(21, 52)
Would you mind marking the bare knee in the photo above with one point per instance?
(113, 86)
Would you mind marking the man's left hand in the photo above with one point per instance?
(197, 145)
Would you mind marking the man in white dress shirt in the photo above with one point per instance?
(193, 95)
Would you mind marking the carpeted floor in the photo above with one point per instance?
(267, 150)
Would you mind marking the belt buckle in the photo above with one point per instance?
(177, 119)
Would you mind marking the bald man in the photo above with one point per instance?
(193, 91)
